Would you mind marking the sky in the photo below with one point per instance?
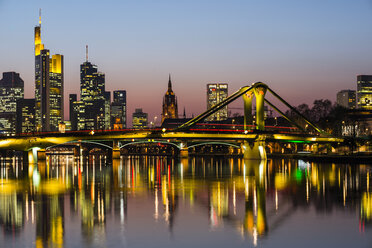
(304, 50)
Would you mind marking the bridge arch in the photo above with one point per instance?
(214, 143)
(82, 141)
(151, 142)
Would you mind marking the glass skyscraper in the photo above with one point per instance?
(96, 100)
(11, 89)
(48, 86)
(25, 115)
(217, 93)
(119, 110)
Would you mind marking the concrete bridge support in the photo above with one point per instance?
(30, 156)
(184, 151)
(254, 150)
(41, 155)
(115, 149)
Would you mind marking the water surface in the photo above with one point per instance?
(197, 202)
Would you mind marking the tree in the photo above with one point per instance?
(320, 110)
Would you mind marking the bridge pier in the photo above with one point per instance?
(184, 151)
(115, 150)
(254, 150)
(41, 155)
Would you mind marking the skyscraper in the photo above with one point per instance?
(217, 93)
(72, 113)
(78, 115)
(346, 99)
(364, 91)
(56, 91)
(11, 89)
(119, 110)
(170, 108)
(48, 86)
(25, 115)
(92, 94)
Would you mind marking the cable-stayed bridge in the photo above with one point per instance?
(252, 138)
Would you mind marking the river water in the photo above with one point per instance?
(149, 201)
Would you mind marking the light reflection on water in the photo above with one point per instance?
(162, 202)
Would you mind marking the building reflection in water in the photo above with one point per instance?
(252, 197)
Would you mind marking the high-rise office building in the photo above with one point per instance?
(48, 86)
(364, 91)
(73, 115)
(107, 117)
(139, 119)
(11, 89)
(92, 94)
(346, 99)
(119, 110)
(170, 108)
(56, 99)
(78, 110)
(25, 115)
(217, 93)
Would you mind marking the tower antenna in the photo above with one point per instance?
(86, 53)
(40, 17)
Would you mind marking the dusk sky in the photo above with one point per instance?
(304, 50)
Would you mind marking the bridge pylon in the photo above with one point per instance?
(248, 117)
(259, 92)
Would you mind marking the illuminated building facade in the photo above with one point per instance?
(11, 89)
(364, 91)
(48, 86)
(25, 115)
(170, 108)
(78, 116)
(73, 117)
(107, 117)
(217, 93)
(347, 99)
(139, 119)
(94, 97)
(119, 110)
(56, 107)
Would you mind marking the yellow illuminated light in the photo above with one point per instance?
(56, 63)
(38, 45)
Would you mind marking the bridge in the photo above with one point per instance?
(252, 138)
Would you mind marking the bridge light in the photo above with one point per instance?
(91, 132)
(164, 129)
(246, 131)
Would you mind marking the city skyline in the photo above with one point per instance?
(299, 64)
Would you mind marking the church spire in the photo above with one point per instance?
(169, 83)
